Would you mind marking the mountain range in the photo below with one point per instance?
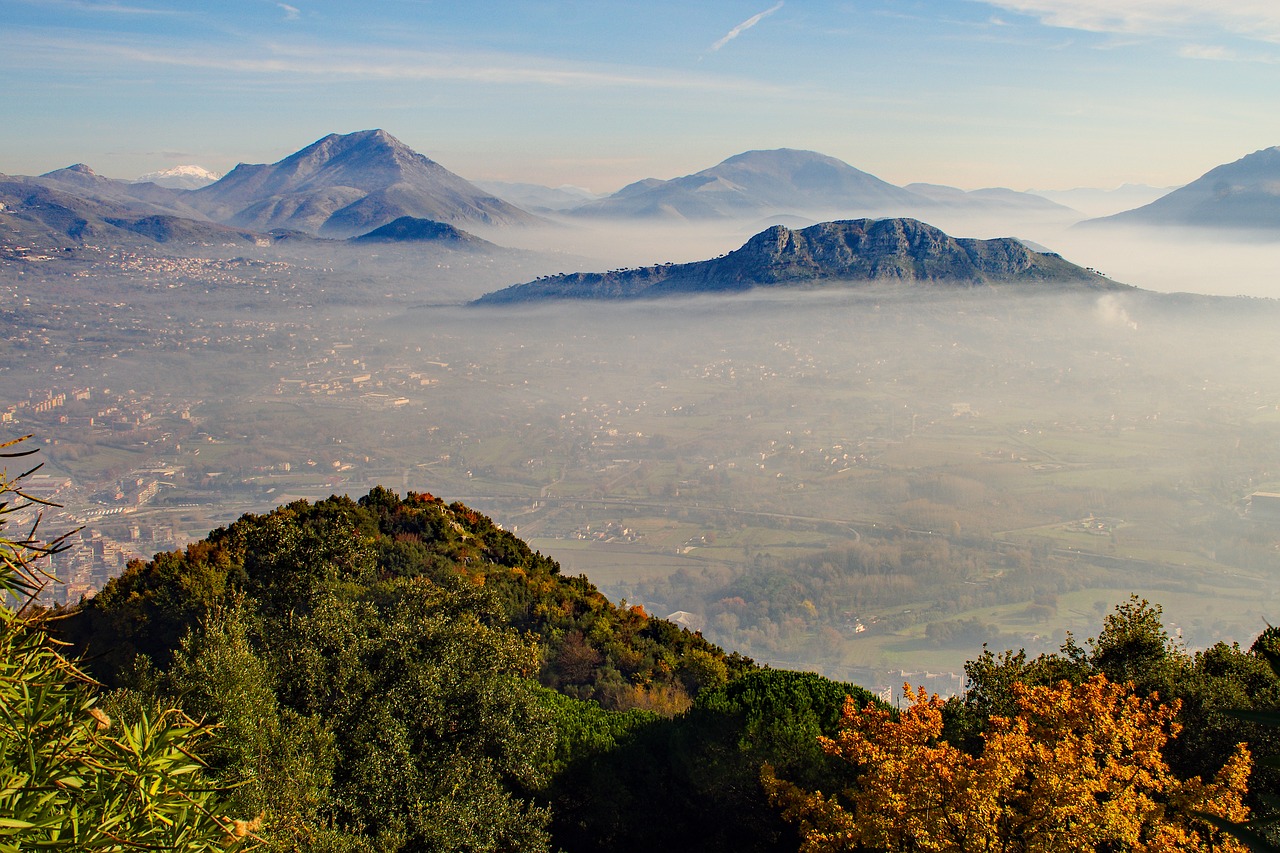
(142, 198)
(339, 186)
(897, 251)
(34, 215)
(347, 185)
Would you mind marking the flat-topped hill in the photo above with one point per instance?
(904, 251)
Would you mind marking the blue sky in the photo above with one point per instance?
(1048, 94)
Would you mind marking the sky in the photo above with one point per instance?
(1042, 94)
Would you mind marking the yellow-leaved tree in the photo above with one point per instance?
(1077, 768)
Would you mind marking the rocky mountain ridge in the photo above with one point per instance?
(896, 251)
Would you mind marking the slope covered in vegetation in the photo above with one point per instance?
(401, 674)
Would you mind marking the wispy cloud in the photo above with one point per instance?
(1217, 53)
(746, 25)
(1205, 51)
(291, 13)
(273, 60)
(107, 8)
(1253, 19)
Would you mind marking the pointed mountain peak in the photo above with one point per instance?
(337, 143)
(363, 150)
(78, 168)
(347, 184)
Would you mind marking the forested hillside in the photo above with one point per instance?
(401, 674)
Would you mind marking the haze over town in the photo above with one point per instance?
(839, 472)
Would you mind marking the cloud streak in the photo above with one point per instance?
(746, 25)
(1217, 53)
(1253, 19)
(291, 13)
(109, 8)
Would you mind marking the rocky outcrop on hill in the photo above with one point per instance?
(897, 251)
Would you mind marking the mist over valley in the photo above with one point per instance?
(856, 480)
(728, 427)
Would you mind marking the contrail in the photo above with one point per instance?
(746, 25)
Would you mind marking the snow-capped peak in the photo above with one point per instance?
(180, 177)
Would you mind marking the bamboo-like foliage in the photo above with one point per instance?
(70, 777)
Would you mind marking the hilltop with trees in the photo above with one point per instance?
(398, 673)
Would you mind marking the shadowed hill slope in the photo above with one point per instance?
(1244, 195)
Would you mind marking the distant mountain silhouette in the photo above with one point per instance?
(176, 229)
(341, 186)
(1095, 202)
(990, 199)
(143, 198)
(1243, 195)
(538, 197)
(789, 182)
(759, 183)
(407, 229)
(863, 250)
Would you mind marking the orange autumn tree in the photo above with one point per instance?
(1078, 768)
